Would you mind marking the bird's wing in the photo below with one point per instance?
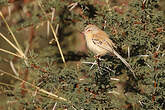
(106, 43)
(103, 42)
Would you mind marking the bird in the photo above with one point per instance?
(99, 43)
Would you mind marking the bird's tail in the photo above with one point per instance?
(125, 62)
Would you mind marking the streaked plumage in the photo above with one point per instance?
(100, 44)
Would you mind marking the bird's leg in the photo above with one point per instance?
(93, 65)
(98, 62)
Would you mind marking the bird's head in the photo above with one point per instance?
(90, 29)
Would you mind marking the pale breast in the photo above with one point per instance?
(95, 48)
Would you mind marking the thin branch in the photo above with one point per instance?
(39, 89)
(53, 12)
(143, 55)
(11, 53)
(20, 50)
(128, 52)
(114, 92)
(57, 27)
(13, 86)
(9, 9)
(27, 49)
(48, 29)
(148, 65)
(55, 36)
(58, 44)
(72, 6)
(158, 48)
(11, 44)
(90, 62)
(13, 68)
(115, 79)
(54, 107)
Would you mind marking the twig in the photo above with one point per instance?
(72, 6)
(115, 79)
(13, 86)
(93, 63)
(141, 103)
(37, 88)
(54, 107)
(27, 49)
(110, 69)
(57, 27)
(19, 48)
(58, 44)
(55, 36)
(148, 65)
(143, 55)
(144, 1)
(11, 53)
(9, 9)
(53, 12)
(48, 29)
(128, 52)
(75, 108)
(90, 62)
(21, 53)
(13, 68)
(114, 92)
(158, 47)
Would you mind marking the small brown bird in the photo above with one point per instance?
(100, 44)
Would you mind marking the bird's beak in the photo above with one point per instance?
(82, 32)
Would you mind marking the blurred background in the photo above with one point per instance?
(69, 17)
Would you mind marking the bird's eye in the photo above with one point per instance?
(88, 30)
